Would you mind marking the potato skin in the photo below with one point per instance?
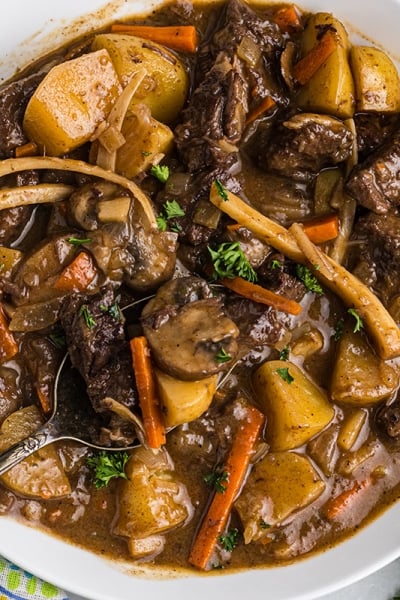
(165, 87)
(331, 89)
(376, 80)
(296, 410)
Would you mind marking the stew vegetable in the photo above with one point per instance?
(235, 168)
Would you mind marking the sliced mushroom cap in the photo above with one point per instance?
(187, 330)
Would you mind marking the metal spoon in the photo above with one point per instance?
(73, 417)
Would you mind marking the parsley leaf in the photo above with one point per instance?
(78, 241)
(310, 281)
(223, 356)
(285, 375)
(358, 324)
(229, 540)
(160, 172)
(284, 353)
(216, 480)
(276, 264)
(107, 465)
(113, 310)
(171, 210)
(85, 313)
(229, 260)
(338, 330)
(221, 189)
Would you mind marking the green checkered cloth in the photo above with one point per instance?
(16, 584)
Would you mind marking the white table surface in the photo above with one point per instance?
(382, 585)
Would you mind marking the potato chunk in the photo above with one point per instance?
(279, 485)
(70, 102)
(184, 401)
(331, 89)
(152, 500)
(376, 80)
(166, 84)
(41, 475)
(296, 408)
(360, 377)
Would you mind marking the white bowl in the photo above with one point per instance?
(31, 28)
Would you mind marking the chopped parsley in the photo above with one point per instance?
(223, 356)
(160, 172)
(78, 241)
(107, 465)
(229, 261)
(113, 310)
(221, 190)
(85, 313)
(358, 324)
(338, 330)
(284, 353)
(276, 264)
(57, 339)
(229, 540)
(263, 524)
(171, 210)
(216, 480)
(285, 375)
(310, 281)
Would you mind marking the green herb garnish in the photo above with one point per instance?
(229, 540)
(78, 241)
(338, 330)
(284, 353)
(113, 310)
(160, 172)
(107, 465)
(276, 264)
(171, 210)
(223, 356)
(229, 261)
(263, 524)
(85, 313)
(221, 190)
(309, 280)
(216, 480)
(358, 324)
(285, 375)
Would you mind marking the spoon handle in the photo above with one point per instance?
(11, 457)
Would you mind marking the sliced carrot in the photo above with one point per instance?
(288, 19)
(153, 422)
(28, 149)
(8, 345)
(77, 276)
(44, 397)
(264, 106)
(307, 66)
(255, 292)
(183, 38)
(322, 229)
(335, 507)
(238, 460)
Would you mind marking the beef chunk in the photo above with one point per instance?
(209, 138)
(388, 420)
(98, 349)
(383, 235)
(306, 143)
(373, 130)
(375, 184)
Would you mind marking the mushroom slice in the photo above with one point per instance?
(188, 331)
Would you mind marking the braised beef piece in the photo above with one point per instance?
(94, 330)
(304, 144)
(375, 184)
(14, 220)
(388, 420)
(373, 130)
(215, 118)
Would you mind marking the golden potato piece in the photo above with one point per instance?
(279, 485)
(70, 102)
(296, 408)
(331, 89)
(165, 87)
(184, 401)
(360, 377)
(41, 475)
(376, 80)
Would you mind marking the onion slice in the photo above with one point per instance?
(34, 194)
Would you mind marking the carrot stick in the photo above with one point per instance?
(238, 460)
(265, 105)
(255, 292)
(307, 66)
(28, 149)
(76, 276)
(153, 422)
(44, 397)
(322, 229)
(183, 38)
(288, 19)
(8, 345)
(335, 506)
